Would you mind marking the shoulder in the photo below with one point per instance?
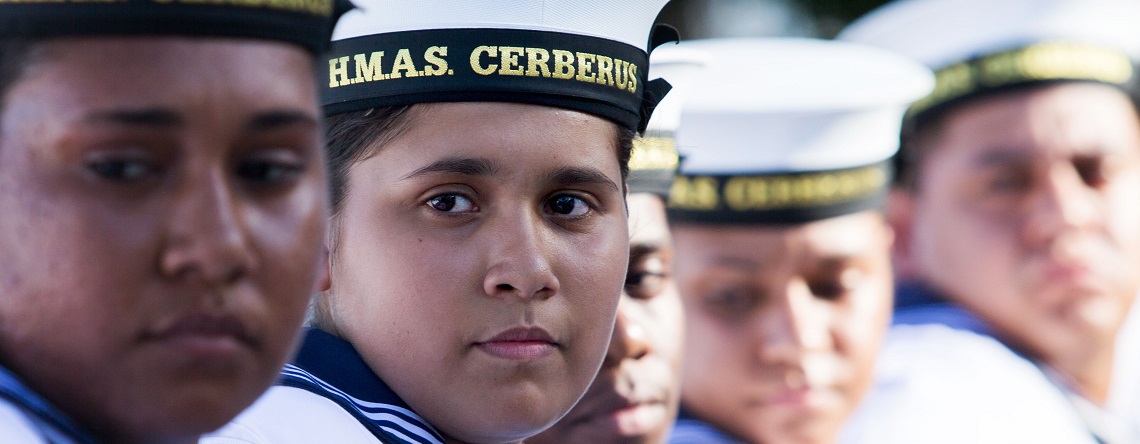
(15, 426)
(286, 415)
(937, 384)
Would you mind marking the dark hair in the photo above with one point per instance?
(920, 133)
(355, 136)
(14, 58)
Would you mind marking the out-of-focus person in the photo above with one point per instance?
(162, 184)
(782, 245)
(1016, 219)
(635, 397)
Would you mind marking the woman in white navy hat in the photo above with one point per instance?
(1018, 246)
(164, 199)
(782, 245)
(479, 246)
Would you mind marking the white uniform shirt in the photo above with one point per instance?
(937, 384)
(16, 427)
(287, 415)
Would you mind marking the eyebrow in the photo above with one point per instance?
(274, 119)
(168, 118)
(567, 176)
(151, 117)
(739, 264)
(468, 166)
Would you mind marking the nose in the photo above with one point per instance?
(1063, 204)
(520, 259)
(630, 339)
(793, 324)
(206, 241)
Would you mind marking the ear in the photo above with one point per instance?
(324, 278)
(900, 216)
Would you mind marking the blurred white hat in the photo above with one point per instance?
(654, 160)
(977, 46)
(791, 130)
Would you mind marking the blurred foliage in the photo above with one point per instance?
(832, 15)
(829, 15)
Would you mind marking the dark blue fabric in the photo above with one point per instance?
(56, 427)
(917, 304)
(690, 430)
(337, 363)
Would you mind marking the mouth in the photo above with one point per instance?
(519, 344)
(637, 419)
(207, 335)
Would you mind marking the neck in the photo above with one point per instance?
(1089, 373)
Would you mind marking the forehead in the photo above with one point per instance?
(1058, 120)
(513, 139)
(169, 71)
(647, 225)
(762, 247)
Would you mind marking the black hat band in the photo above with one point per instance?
(593, 75)
(1039, 63)
(778, 199)
(303, 22)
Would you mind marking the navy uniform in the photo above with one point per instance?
(944, 376)
(438, 51)
(817, 119)
(25, 416)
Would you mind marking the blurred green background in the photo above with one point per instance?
(739, 18)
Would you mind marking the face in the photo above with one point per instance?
(164, 210)
(1026, 214)
(479, 262)
(635, 395)
(782, 324)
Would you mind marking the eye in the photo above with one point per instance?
(833, 286)
(1010, 181)
(733, 302)
(1091, 170)
(452, 203)
(123, 168)
(646, 277)
(270, 172)
(567, 205)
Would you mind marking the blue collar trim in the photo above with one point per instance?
(330, 367)
(56, 426)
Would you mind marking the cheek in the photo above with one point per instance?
(715, 354)
(949, 237)
(860, 329)
(666, 327)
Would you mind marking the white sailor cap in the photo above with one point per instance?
(784, 131)
(982, 46)
(588, 56)
(654, 160)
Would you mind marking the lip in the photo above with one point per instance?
(201, 334)
(519, 344)
(636, 419)
(803, 400)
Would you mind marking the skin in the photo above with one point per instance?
(1045, 183)
(478, 219)
(164, 207)
(782, 323)
(635, 396)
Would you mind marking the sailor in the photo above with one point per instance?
(782, 245)
(635, 396)
(164, 199)
(1016, 220)
(479, 152)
